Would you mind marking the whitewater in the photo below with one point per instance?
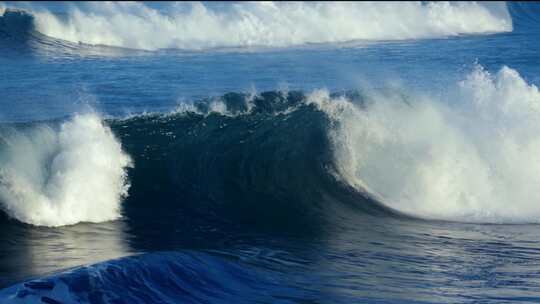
(266, 24)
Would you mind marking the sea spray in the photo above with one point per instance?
(60, 176)
(474, 157)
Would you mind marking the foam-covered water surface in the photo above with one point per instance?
(269, 152)
(201, 26)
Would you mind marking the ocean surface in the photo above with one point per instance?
(269, 152)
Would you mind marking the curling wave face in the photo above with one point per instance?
(472, 156)
(197, 26)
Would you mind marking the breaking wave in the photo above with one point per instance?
(197, 26)
(55, 176)
(473, 156)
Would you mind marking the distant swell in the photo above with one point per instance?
(197, 26)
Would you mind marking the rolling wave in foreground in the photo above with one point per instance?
(344, 151)
(197, 26)
(459, 159)
(191, 278)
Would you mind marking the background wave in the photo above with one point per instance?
(197, 26)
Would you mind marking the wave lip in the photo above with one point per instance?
(55, 177)
(197, 26)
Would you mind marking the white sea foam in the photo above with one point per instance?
(61, 176)
(473, 157)
(268, 24)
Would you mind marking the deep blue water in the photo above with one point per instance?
(391, 170)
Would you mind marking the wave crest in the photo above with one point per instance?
(267, 24)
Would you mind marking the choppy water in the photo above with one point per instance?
(270, 153)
